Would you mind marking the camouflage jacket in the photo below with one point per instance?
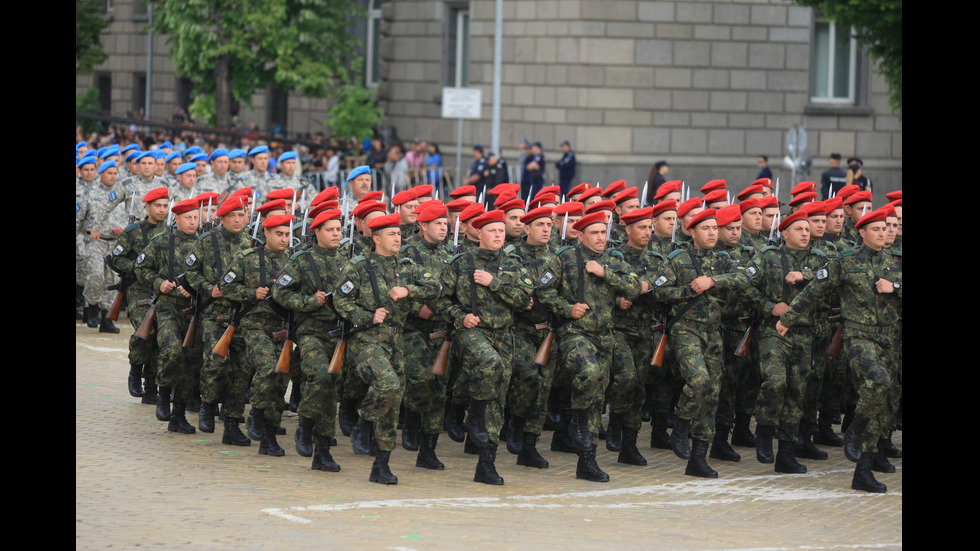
(163, 260)
(542, 266)
(681, 268)
(135, 238)
(645, 263)
(298, 283)
(251, 269)
(509, 290)
(430, 259)
(213, 253)
(767, 274)
(357, 298)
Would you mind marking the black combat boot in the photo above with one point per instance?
(360, 437)
(92, 316)
(560, 441)
(646, 412)
(410, 434)
(322, 460)
(864, 479)
(178, 420)
(135, 384)
(854, 437)
(347, 416)
(205, 419)
(105, 324)
(805, 447)
(763, 443)
(825, 433)
(720, 448)
(253, 425)
(486, 471)
(515, 435)
(697, 465)
(476, 423)
(588, 469)
(469, 446)
(679, 438)
(786, 459)
(304, 437)
(879, 461)
(742, 434)
(233, 435)
(614, 433)
(149, 391)
(529, 456)
(886, 447)
(163, 403)
(454, 421)
(427, 453)
(659, 439)
(268, 445)
(578, 430)
(295, 396)
(629, 454)
(380, 472)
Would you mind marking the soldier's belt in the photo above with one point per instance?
(875, 329)
(181, 302)
(627, 323)
(699, 325)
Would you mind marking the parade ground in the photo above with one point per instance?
(138, 486)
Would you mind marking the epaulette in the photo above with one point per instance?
(724, 253)
(297, 254)
(454, 257)
(895, 252)
(818, 252)
(674, 253)
(404, 247)
(562, 249)
(651, 252)
(345, 240)
(131, 227)
(509, 249)
(203, 235)
(748, 249)
(356, 259)
(848, 252)
(246, 252)
(617, 254)
(769, 248)
(406, 260)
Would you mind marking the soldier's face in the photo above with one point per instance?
(147, 167)
(570, 232)
(492, 236)
(361, 185)
(187, 179)
(220, 165)
(237, 164)
(288, 167)
(512, 222)
(260, 162)
(768, 215)
(407, 211)
(818, 226)
(277, 238)
(539, 231)
(663, 225)
(387, 241)
(234, 221)
(436, 230)
(594, 237)
(705, 234)
(108, 176)
(859, 209)
(873, 235)
(752, 220)
(188, 221)
(766, 191)
(329, 234)
(835, 222)
(161, 165)
(627, 207)
(174, 164)
(731, 233)
(891, 230)
(202, 167)
(672, 196)
(157, 210)
(87, 172)
(639, 233)
(797, 236)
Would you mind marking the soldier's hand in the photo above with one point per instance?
(166, 286)
(397, 293)
(595, 268)
(530, 304)
(216, 292)
(794, 277)
(95, 235)
(884, 286)
(183, 292)
(470, 321)
(117, 231)
(780, 309)
(625, 304)
(424, 312)
(781, 328)
(482, 277)
(261, 292)
(702, 284)
(644, 286)
(321, 298)
(379, 315)
(579, 309)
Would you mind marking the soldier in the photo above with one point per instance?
(513, 227)
(359, 181)
(86, 172)
(405, 203)
(686, 212)
(157, 268)
(664, 219)
(247, 281)
(219, 178)
(259, 178)
(104, 224)
(752, 224)
(483, 287)
(582, 297)
(186, 178)
(173, 161)
(668, 191)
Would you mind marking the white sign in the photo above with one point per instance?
(462, 103)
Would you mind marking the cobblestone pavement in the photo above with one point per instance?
(139, 486)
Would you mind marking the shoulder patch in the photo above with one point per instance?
(752, 272)
(546, 277)
(284, 280)
(660, 281)
(347, 287)
(229, 277)
(141, 258)
(822, 273)
(78, 207)
(112, 196)
(117, 250)
(190, 260)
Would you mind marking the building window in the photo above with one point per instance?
(139, 92)
(104, 83)
(141, 11)
(373, 69)
(458, 47)
(834, 63)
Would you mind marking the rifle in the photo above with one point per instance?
(124, 283)
(658, 353)
(337, 359)
(221, 349)
(289, 334)
(442, 357)
(194, 311)
(834, 348)
(742, 350)
(544, 351)
(143, 331)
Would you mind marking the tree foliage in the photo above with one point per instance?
(878, 24)
(356, 113)
(231, 48)
(88, 103)
(88, 30)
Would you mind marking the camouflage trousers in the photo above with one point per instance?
(660, 380)
(530, 383)
(486, 360)
(740, 381)
(98, 275)
(315, 348)
(378, 363)
(627, 376)
(175, 367)
(144, 352)
(425, 393)
(829, 377)
(698, 352)
(785, 363)
(79, 259)
(873, 354)
(262, 354)
(224, 380)
(587, 360)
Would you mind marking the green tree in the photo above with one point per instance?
(230, 48)
(356, 113)
(88, 30)
(878, 25)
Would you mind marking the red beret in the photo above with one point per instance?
(706, 214)
(768, 202)
(371, 196)
(363, 209)
(764, 182)
(713, 185)
(505, 198)
(815, 208)
(512, 204)
(472, 211)
(573, 208)
(488, 218)
(203, 198)
(329, 214)
(894, 195)
(534, 214)
(664, 206)
(387, 221)
(896, 203)
(549, 189)
(877, 215)
(588, 220)
(458, 204)
(327, 194)
(323, 206)
(858, 197)
(543, 198)
(791, 219)
(579, 188)
(231, 204)
(432, 211)
(403, 197)
(278, 220)
(803, 187)
(834, 204)
(847, 191)
(425, 190)
(284, 193)
(627, 194)
(716, 195)
(243, 191)
(330, 204)
(749, 191)
(614, 187)
(750, 204)
(600, 206)
(591, 192)
(157, 193)
(272, 205)
(636, 215)
(667, 187)
(728, 214)
(689, 205)
(804, 197)
(463, 190)
(500, 189)
(186, 205)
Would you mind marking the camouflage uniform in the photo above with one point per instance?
(97, 212)
(211, 182)
(261, 183)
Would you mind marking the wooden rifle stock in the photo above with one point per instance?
(191, 337)
(221, 349)
(116, 307)
(337, 360)
(285, 357)
(442, 358)
(658, 353)
(742, 350)
(833, 349)
(143, 331)
(544, 351)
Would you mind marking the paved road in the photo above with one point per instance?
(137, 485)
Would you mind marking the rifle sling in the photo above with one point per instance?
(581, 275)
(690, 304)
(217, 255)
(474, 309)
(785, 261)
(374, 281)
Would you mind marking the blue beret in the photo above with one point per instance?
(198, 157)
(193, 150)
(220, 152)
(256, 150)
(130, 147)
(287, 155)
(236, 153)
(86, 160)
(100, 151)
(90, 153)
(105, 165)
(109, 152)
(363, 169)
(159, 154)
(145, 154)
(80, 145)
(167, 144)
(185, 167)
(173, 155)
(132, 155)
